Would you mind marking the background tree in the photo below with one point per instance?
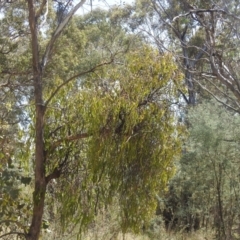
(14, 92)
(203, 37)
(207, 182)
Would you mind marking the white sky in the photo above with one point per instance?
(102, 4)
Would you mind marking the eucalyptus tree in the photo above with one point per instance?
(204, 38)
(99, 121)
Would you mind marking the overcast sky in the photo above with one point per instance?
(103, 4)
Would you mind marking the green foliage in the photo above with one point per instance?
(130, 138)
(207, 183)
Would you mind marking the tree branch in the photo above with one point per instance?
(69, 138)
(184, 96)
(56, 173)
(45, 14)
(11, 233)
(220, 91)
(216, 98)
(74, 77)
(166, 22)
(199, 11)
(58, 170)
(223, 79)
(58, 31)
(40, 10)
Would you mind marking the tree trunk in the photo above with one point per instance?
(221, 224)
(40, 179)
(188, 65)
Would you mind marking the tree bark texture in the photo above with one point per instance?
(40, 180)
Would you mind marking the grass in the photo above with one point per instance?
(106, 227)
